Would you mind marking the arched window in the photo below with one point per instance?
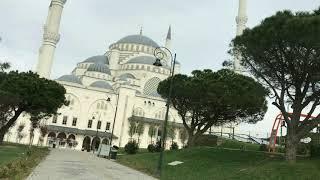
(98, 106)
(102, 104)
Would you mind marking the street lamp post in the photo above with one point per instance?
(114, 121)
(160, 54)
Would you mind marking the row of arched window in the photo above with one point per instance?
(158, 115)
(102, 106)
(145, 67)
(138, 112)
(134, 47)
(97, 75)
(83, 66)
(149, 103)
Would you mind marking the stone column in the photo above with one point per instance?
(51, 38)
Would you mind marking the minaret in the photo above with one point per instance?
(168, 39)
(51, 38)
(241, 20)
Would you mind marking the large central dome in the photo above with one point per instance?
(138, 39)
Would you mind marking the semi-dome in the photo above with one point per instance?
(150, 60)
(138, 39)
(126, 76)
(97, 60)
(99, 68)
(101, 84)
(70, 78)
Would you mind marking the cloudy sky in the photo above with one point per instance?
(202, 30)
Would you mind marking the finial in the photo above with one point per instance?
(169, 33)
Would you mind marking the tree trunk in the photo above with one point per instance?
(1, 137)
(291, 149)
(10, 123)
(192, 140)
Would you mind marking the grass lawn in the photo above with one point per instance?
(17, 161)
(218, 163)
(11, 152)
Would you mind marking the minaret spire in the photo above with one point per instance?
(241, 21)
(168, 39)
(141, 29)
(51, 38)
(242, 17)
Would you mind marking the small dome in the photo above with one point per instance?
(70, 78)
(125, 76)
(138, 39)
(101, 84)
(97, 60)
(144, 60)
(99, 68)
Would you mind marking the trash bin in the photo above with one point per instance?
(113, 152)
(54, 145)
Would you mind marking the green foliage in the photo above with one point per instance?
(158, 146)
(38, 97)
(132, 128)
(152, 131)
(283, 52)
(4, 66)
(43, 130)
(303, 149)
(151, 148)
(131, 147)
(174, 146)
(140, 129)
(263, 147)
(222, 164)
(234, 144)
(20, 167)
(209, 98)
(171, 131)
(183, 135)
(315, 150)
(207, 140)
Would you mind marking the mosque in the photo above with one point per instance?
(108, 92)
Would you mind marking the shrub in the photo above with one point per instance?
(263, 147)
(207, 140)
(4, 171)
(315, 150)
(158, 146)
(151, 148)
(131, 147)
(174, 146)
(302, 149)
(280, 149)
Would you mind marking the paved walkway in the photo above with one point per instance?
(68, 164)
